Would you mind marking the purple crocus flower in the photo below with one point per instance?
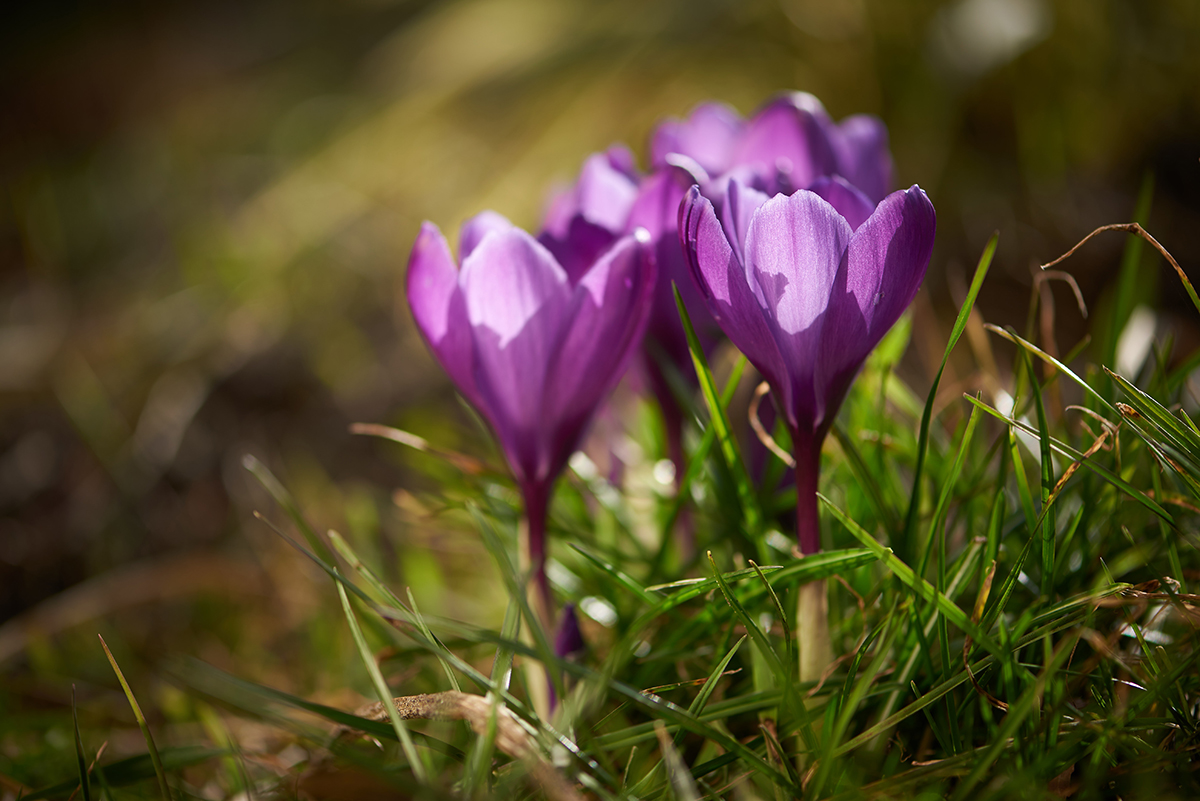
(610, 200)
(533, 346)
(806, 285)
(787, 145)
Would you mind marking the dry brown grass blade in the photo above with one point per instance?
(985, 589)
(477, 711)
(759, 431)
(1134, 228)
(467, 464)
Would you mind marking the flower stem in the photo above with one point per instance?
(812, 608)
(537, 504)
(807, 449)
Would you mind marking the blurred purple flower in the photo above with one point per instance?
(806, 285)
(787, 145)
(610, 200)
(568, 639)
(533, 346)
(584, 220)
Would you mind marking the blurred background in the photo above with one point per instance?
(208, 208)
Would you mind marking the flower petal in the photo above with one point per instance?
(851, 203)
(603, 327)
(727, 290)
(657, 211)
(708, 136)
(791, 135)
(516, 302)
(794, 248)
(438, 307)
(863, 156)
(741, 204)
(475, 229)
(887, 260)
(888, 257)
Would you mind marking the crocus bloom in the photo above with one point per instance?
(534, 347)
(610, 200)
(787, 145)
(806, 285)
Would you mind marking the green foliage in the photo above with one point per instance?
(1036, 639)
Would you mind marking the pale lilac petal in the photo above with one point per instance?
(603, 327)
(708, 136)
(656, 208)
(516, 301)
(584, 222)
(848, 200)
(794, 249)
(476, 228)
(741, 204)
(657, 212)
(438, 307)
(790, 135)
(723, 281)
(604, 194)
(560, 210)
(888, 257)
(863, 155)
(621, 159)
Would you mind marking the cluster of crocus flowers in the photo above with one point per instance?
(779, 226)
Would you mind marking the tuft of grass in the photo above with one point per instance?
(1022, 628)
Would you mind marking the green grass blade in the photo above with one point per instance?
(790, 657)
(159, 773)
(866, 478)
(1098, 469)
(618, 576)
(710, 684)
(935, 537)
(720, 422)
(286, 502)
(85, 786)
(1014, 338)
(919, 586)
(346, 552)
(1047, 485)
(381, 689)
(960, 324)
(756, 633)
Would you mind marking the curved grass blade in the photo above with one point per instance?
(935, 537)
(720, 422)
(960, 324)
(159, 773)
(695, 464)
(381, 689)
(288, 503)
(919, 586)
(1047, 482)
(619, 577)
(1068, 451)
(710, 684)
